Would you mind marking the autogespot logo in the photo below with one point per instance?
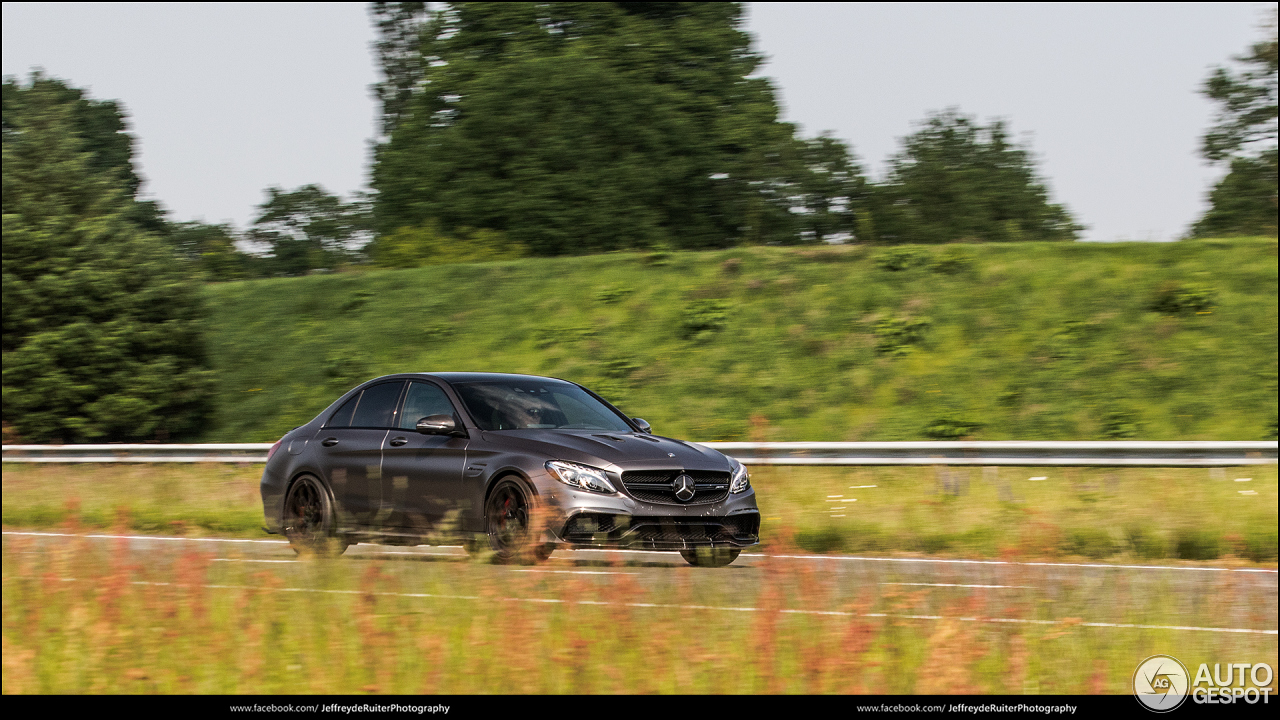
(1160, 683)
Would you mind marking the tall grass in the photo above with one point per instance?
(93, 618)
(1138, 514)
(1004, 341)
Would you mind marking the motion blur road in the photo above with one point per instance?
(1182, 598)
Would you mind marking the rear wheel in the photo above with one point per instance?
(710, 557)
(509, 524)
(308, 520)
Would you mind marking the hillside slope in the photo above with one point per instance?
(1010, 341)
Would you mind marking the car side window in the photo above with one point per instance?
(422, 400)
(377, 406)
(342, 418)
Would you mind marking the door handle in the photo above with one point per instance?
(329, 442)
(397, 442)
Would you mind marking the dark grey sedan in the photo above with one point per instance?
(516, 465)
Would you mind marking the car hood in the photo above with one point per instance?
(624, 451)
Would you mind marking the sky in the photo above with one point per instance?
(226, 100)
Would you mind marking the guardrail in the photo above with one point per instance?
(1017, 453)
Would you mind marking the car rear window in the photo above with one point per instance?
(377, 406)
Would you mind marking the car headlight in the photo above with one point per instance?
(583, 477)
(741, 478)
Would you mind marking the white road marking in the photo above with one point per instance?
(251, 560)
(1005, 562)
(789, 611)
(859, 487)
(576, 572)
(1244, 479)
(858, 558)
(146, 537)
(957, 585)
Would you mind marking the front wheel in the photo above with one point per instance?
(308, 520)
(710, 557)
(509, 524)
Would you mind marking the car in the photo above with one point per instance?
(511, 466)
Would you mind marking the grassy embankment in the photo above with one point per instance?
(90, 617)
(1117, 515)
(1078, 341)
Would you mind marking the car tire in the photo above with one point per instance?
(307, 521)
(510, 516)
(710, 557)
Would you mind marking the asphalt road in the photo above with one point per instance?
(1178, 598)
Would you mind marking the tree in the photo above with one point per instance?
(1243, 138)
(830, 188)
(400, 29)
(102, 327)
(309, 229)
(956, 180)
(213, 249)
(582, 127)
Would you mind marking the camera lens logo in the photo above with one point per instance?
(1161, 683)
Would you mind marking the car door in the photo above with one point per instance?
(350, 448)
(422, 474)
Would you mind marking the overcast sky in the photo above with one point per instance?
(228, 99)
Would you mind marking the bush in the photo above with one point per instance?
(703, 318)
(1197, 545)
(898, 335)
(897, 259)
(950, 428)
(954, 260)
(611, 294)
(1175, 298)
(1120, 424)
(1091, 542)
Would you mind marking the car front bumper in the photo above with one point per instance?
(581, 519)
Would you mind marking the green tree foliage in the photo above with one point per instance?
(309, 229)
(103, 329)
(581, 127)
(100, 125)
(1243, 137)
(830, 189)
(213, 249)
(400, 27)
(956, 180)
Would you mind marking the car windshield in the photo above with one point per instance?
(536, 405)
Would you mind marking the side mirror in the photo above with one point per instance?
(437, 425)
(644, 426)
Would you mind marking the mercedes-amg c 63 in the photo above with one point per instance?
(515, 465)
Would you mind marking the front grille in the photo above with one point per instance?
(654, 486)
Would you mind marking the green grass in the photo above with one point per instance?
(1100, 514)
(91, 617)
(1002, 341)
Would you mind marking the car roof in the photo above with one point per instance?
(464, 377)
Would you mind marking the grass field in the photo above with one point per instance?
(1034, 341)
(1102, 514)
(94, 617)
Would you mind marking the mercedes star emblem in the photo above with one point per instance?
(683, 485)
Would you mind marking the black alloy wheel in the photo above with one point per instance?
(710, 557)
(308, 520)
(508, 518)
